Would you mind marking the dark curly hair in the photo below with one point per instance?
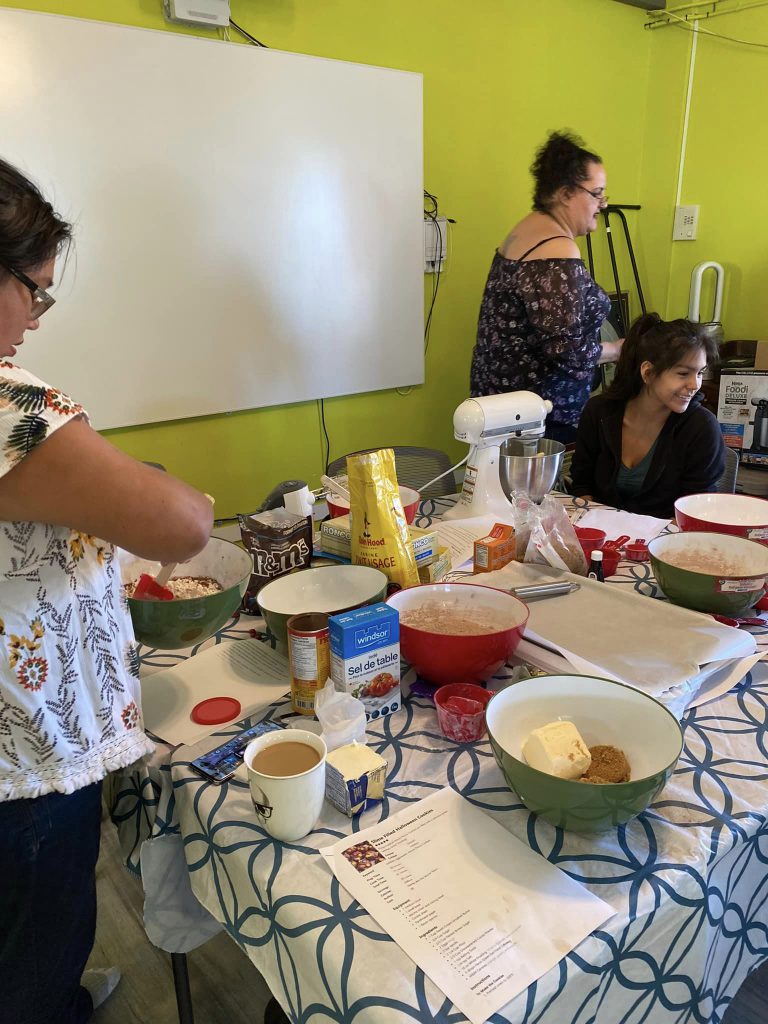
(562, 162)
(664, 343)
(31, 232)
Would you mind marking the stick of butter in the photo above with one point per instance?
(558, 749)
(354, 776)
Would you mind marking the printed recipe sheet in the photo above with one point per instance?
(480, 912)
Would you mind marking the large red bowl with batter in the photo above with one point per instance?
(441, 657)
(737, 514)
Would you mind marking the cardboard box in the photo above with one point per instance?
(737, 410)
(365, 657)
(761, 355)
(336, 539)
(438, 569)
(496, 550)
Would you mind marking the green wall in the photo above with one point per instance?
(498, 74)
(724, 169)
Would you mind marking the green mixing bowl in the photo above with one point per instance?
(604, 712)
(731, 574)
(329, 588)
(170, 625)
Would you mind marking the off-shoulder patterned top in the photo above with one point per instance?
(69, 686)
(539, 330)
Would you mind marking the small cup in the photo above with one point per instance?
(461, 711)
(611, 559)
(637, 551)
(287, 806)
(590, 539)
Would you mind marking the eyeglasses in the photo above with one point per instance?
(41, 300)
(596, 193)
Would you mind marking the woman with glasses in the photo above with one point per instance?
(69, 690)
(648, 440)
(540, 318)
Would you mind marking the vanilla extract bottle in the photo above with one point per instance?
(595, 571)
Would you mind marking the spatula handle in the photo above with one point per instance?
(166, 571)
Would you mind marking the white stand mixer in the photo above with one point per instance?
(486, 423)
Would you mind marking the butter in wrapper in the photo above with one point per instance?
(438, 569)
(355, 777)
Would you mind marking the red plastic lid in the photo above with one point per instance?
(215, 710)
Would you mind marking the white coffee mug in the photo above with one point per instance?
(287, 806)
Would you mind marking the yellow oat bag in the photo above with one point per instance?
(379, 531)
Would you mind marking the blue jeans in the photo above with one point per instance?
(48, 852)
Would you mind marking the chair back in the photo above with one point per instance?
(415, 467)
(727, 482)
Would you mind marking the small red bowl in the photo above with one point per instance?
(738, 514)
(457, 722)
(410, 498)
(460, 658)
(590, 539)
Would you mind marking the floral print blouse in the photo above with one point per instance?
(69, 682)
(539, 330)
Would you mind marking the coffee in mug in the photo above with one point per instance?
(286, 776)
(284, 759)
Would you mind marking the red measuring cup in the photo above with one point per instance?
(637, 551)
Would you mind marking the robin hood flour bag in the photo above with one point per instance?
(379, 532)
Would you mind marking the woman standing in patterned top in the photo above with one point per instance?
(541, 313)
(69, 693)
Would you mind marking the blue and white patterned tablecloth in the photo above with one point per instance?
(688, 879)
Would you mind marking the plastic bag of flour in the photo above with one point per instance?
(553, 540)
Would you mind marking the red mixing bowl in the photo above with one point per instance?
(737, 514)
(441, 657)
(337, 506)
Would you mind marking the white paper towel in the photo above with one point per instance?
(667, 651)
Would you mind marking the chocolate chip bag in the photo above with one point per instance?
(278, 542)
(378, 528)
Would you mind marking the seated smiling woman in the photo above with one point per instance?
(647, 441)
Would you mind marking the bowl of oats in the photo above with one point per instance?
(206, 591)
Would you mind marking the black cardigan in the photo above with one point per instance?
(689, 457)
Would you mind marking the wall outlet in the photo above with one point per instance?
(212, 13)
(435, 243)
(686, 223)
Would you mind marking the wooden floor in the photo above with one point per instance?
(226, 987)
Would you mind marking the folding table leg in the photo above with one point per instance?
(274, 1013)
(181, 983)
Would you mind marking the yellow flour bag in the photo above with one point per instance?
(379, 531)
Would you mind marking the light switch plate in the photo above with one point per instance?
(686, 223)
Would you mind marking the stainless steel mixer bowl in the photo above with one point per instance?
(530, 465)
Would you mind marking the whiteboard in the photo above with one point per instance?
(248, 221)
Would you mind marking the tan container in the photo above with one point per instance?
(309, 658)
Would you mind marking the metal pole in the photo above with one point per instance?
(274, 1013)
(181, 984)
(590, 258)
(609, 236)
(631, 252)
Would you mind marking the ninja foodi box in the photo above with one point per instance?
(742, 411)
